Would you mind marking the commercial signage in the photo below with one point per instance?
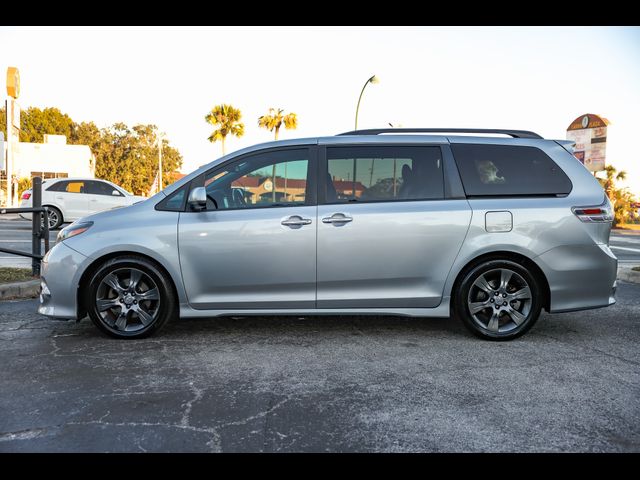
(589, 131)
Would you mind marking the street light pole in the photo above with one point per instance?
(160, 162)
(373, 79)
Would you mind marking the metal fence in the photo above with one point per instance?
(39, 227)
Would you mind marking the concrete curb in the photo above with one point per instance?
(28, 289)
(628, 275)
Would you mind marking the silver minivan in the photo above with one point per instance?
(414, 222)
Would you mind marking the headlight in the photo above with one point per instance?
(73, 230)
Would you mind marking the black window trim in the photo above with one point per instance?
(161, 205)
(515, 195)
(323, 169)
(312, 184)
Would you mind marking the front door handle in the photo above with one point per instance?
(338, 218)
(295, 221)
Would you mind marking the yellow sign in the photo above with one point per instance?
(13, 82)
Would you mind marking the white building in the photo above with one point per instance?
(53, 159)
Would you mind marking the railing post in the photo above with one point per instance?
(36, 226)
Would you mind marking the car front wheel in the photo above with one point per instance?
(499, 300)
(130, 297)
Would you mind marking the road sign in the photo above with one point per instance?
(589, 131)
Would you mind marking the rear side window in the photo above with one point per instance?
(384, 173)
(508, 170)
(58, 187)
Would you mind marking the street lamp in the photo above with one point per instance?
(373, 79)
(160, 137)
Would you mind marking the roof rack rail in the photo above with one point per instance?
(378, 131)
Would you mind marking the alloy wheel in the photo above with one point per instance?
(499, 300)
(127, 300)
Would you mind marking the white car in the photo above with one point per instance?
(69, 199)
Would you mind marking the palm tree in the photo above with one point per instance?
(620, 198)
(613, 175)
(273, 121)
(227, 120)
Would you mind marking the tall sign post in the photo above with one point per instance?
(589, 131)
(13, 131)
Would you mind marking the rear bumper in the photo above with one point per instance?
(580, 276)
(59, 279)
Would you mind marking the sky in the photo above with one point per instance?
(530, 78)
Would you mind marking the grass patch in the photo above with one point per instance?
(636, 269)
(11, 274)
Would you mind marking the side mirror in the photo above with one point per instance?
(198, 199)
(115, 193)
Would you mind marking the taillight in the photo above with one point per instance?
(597, 213)
(26, 196)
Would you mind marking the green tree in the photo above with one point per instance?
(125, 156)
(226, 119)
(34, 123)
(273, 120)
(129, 157)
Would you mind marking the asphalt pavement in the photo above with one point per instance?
(315, 384)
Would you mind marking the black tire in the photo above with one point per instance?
(508, 313)
(157, 312)
(55, 217)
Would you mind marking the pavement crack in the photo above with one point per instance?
(197, 396)
(258, 415)
(23, 434)
(589, 349)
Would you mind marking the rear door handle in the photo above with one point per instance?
(295, 221)
(338, 218)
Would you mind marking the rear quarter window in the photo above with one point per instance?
(508, 170)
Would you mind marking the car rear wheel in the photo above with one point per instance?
(55, 217)
(130, 297)
(499, 300)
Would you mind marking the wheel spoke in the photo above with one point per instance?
(521, 294)
(134, 278)
(483, 285)
(113, 282)
(151, 294)
(505, 276)
(144, 316)
(516, 316)
(475, 307)
(494, 322)
(106, 304)
(121, 322)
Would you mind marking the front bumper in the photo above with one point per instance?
(580, 276)
(60, 275)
